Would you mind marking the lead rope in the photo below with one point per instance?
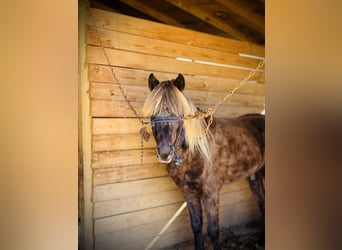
(210, 111)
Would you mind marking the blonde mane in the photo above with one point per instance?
(166, 99)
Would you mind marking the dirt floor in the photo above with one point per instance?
(244, 237)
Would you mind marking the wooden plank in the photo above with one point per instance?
(225, 111)
(103, 91)
(138, 236)
(136, 203)
(174, 237)
(123, 158)
(158, 63)
(128, 173)
(207, 12)
(107, 189)
(134, 43)
(238, 213)
(120, 142)
(132, 188)
(230, 213)
(142, 233)
(101, 73)
(128, 220)
(211, 98)
(238, 196)
(136, 26)
(232, 187)
(155, 199)
(136, 77)
(103, 126)
(103, 108)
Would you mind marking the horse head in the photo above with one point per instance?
(167, 124)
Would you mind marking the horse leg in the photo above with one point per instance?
(211, 204)
(195, 209)
(256, 183)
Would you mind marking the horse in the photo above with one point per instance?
(201, 162)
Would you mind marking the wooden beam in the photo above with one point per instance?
(98, 5)
(201, 10)
(87, 236)
(152, 12)
(242, 10)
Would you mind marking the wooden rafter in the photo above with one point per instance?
(152, 12)
(241, 9)
(239, 19)
(199, 9)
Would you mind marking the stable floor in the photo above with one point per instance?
(244, 237)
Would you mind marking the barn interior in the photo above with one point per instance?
(126, 195)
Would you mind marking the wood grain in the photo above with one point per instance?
(135, 43)
(136, 26)
(120, 109)
(139, 77)
(152, 63)
(128, 173)
(138, 236)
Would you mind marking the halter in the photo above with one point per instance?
(180, 138)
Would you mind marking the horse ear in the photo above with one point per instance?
(152, 81)
(179, 82)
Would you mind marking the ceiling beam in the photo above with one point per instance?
(200, 9)
(152, 12)
(242, 10)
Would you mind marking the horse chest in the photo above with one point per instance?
(189, 178)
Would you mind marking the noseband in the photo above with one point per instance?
(180, 137)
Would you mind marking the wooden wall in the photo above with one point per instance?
(133, 201)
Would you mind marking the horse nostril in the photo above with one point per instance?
(164, 150)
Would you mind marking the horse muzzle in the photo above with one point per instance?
(164, 154)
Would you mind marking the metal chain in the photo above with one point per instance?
(144, 135)
(210, 111)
